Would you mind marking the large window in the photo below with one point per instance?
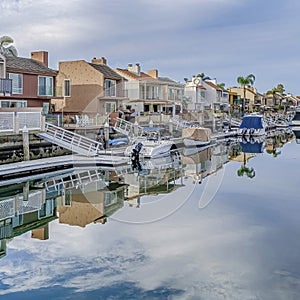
(45, 86)
(67, 88)
(13, 103)
(110, 107)
(110, 88)
(17, 83)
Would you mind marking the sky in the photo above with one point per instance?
(223, 39)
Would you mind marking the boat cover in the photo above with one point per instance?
(197, 157)
(256, 147)
(252, 122)
(197, 134)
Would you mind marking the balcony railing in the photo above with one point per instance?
(5, 86)
(113, 92)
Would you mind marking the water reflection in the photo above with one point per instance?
(219, 252)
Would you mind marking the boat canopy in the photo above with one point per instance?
(252, 122)
(196, 133)
(256, 147)
(297, 116)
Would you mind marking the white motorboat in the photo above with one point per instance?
(151, 146)
(296, 119)
(196, 136)
(252, 125)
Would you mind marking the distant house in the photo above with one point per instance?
(205, 94)
(196, 95)
(26, 82)
(149, 93)
(92, 88)
(253, 98)
(216, 95)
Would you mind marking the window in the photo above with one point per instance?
(13, 103)
(110, 107)
(67, 88)
(45, 86)
(17, 83)
(110, 88)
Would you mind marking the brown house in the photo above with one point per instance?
(91, 88)
(26, 82)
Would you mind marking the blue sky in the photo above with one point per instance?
(222, 38)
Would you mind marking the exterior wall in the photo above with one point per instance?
(86, 86)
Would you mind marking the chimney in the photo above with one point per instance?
(153, 73)
(99, 61)
(134, 69)
(41, 56)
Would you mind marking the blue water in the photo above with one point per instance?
(228, 237)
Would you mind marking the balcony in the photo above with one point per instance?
(5, 87)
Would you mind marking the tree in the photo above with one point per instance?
(201, 75)
(245, 82)
(250, 173)
(6, 47)
(221, 85)
(279, 90)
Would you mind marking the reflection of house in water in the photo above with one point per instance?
(157, 176)
(93, 202)
(203, 162)
(22, 210)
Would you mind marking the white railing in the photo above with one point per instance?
(7, 121)
(74, 180)
(71, 140)
(128, 128)
(30, 120)
(15, 121)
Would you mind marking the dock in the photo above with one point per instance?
(25, 170)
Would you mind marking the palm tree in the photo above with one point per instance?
(250, 173)
(221, 85)
(277, 90)
(245, 82)
(6, 47)
(201, 75)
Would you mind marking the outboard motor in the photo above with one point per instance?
(136, 151)
(135, 157)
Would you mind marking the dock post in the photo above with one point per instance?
(171, 126)
(106, 134)
(25, 136)
(26, 191)
(136, 128)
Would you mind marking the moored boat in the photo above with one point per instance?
(252, 125)
(151, 145)
(196, 136)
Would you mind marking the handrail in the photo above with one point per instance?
(72, 139)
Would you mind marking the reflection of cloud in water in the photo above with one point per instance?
(239, 247)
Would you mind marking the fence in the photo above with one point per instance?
(16, 121)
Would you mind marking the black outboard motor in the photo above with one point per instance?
(135, 157)
(136, 151)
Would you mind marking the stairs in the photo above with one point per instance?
(70, 140)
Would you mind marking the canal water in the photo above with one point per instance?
(220, 223)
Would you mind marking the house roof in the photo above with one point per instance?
(213, 86)
(28, 65)
(201, 87)
(143, 76)
(106, 71)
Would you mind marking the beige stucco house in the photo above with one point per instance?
(90, 88)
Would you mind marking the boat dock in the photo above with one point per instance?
(12, 172)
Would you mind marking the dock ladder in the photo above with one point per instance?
(70, 140)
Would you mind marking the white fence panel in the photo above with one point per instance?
(32, 120)
(7, 121)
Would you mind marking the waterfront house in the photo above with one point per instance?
(26, 82)
(195, 95)
(149, 93)
(90, 88)
(252, 97)
(217, 96)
